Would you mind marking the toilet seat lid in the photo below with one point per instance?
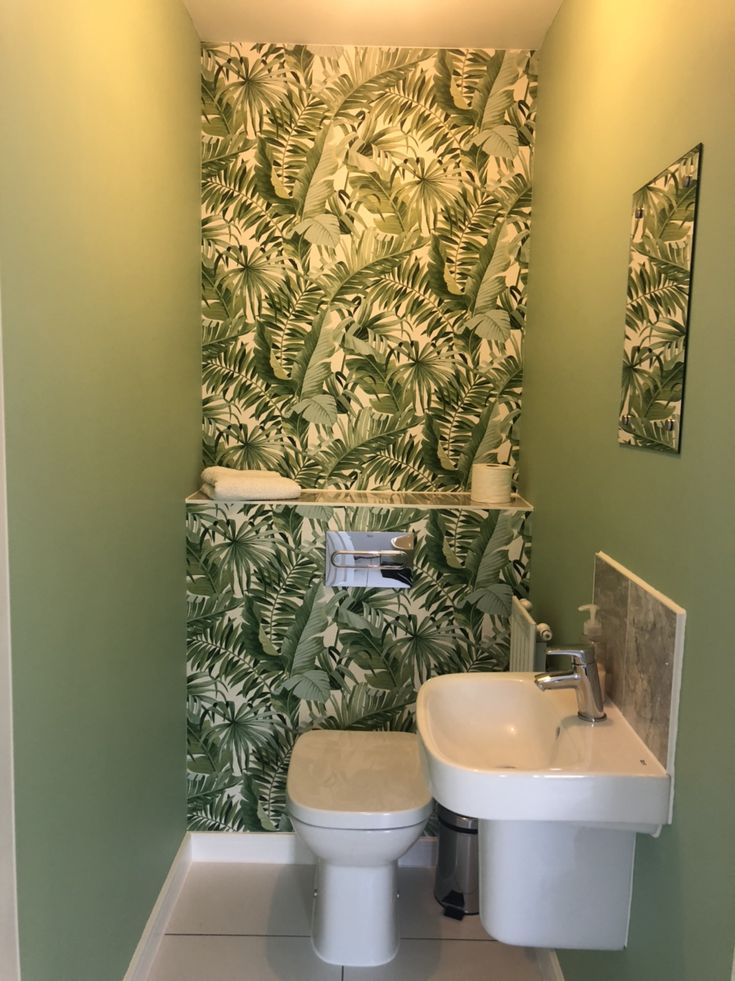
(365, 780)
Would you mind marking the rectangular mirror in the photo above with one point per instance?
(657, 310)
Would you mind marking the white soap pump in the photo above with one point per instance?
(592, 630)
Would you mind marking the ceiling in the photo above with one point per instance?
(423, 23)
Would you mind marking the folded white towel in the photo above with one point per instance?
(210, 475)
(226, 484)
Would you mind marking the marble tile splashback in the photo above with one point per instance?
(643, 638)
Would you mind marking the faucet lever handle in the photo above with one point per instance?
(583, 654)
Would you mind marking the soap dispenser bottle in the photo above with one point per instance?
(592, 630)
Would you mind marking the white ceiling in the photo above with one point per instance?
(422, 23)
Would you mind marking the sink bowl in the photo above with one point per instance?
(497, 748)
(559, 802)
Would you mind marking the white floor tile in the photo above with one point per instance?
(246, 899)
(452, 960)
(240, 959)
(422, 918)
(244, 922)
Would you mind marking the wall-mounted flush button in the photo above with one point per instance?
(379, 559)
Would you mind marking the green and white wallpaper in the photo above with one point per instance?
(273, 652)
(366, 223)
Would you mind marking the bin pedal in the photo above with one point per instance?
(453, 904)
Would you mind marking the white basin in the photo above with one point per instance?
(559, 802)
(498, 748)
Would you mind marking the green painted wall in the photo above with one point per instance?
(99, 253)
(624, 89)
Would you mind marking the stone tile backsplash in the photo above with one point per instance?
(611, 595)
(643, 636)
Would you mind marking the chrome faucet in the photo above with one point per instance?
(583, 678)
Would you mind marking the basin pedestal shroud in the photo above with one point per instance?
(554, 884)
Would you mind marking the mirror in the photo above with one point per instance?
(657, 309)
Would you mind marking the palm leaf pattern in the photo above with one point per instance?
(273, 652)
(365, 222)
(654, 354)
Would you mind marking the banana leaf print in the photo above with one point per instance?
(272, 652)
(366, 214)
(657, 313)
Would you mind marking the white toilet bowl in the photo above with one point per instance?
(359, 800)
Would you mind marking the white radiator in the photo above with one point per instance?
(527, 638)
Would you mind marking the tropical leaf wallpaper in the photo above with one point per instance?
(366, 223)
(657, 313)
(273, 652)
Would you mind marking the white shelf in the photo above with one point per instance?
(389, 499)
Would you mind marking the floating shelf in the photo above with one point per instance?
(382, 499)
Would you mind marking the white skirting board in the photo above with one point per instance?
(548, 965)
(145, 952)
(282, 848)
(261, 849)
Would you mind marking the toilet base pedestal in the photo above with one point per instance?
(355, 917)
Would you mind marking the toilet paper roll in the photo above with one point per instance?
(491, 483)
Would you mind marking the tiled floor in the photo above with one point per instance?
(251, 923)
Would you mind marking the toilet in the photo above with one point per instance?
(359, 800)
